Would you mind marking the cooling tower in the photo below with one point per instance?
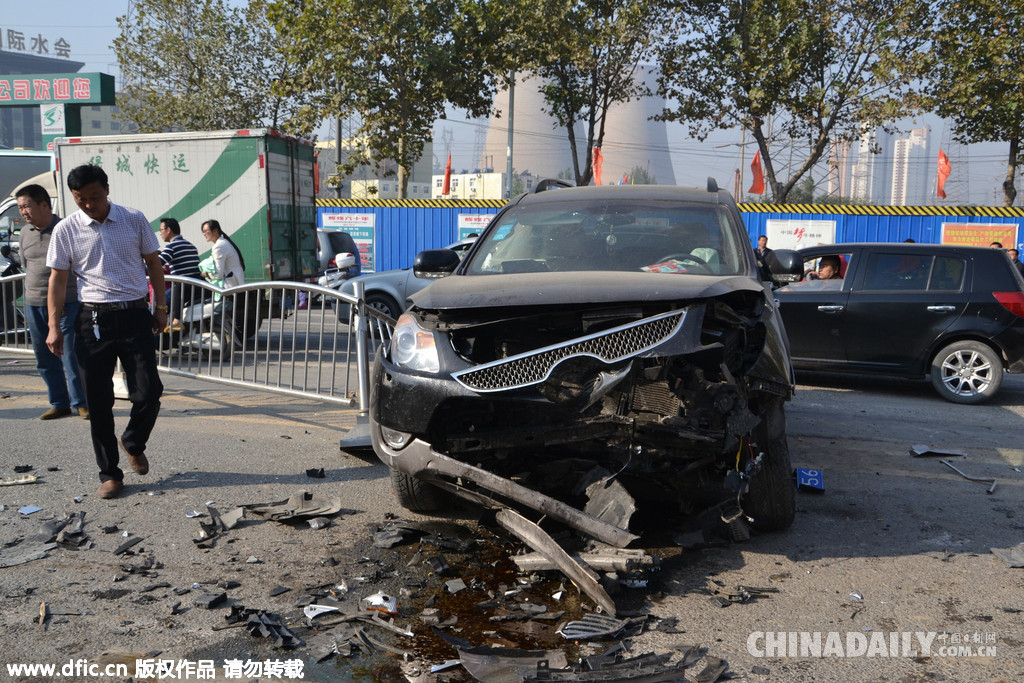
(630, 139)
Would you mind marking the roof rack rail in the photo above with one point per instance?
(551, 184)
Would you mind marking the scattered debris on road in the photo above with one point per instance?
(991, 489)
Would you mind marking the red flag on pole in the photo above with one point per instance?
(598, 160)
(757, 185)
(447, 188)
(945, 168)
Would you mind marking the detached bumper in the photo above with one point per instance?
(418, 459)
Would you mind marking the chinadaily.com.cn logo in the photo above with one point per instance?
(870, 644)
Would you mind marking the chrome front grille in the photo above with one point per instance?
(610, 346)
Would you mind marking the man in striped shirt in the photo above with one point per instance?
(181, 258)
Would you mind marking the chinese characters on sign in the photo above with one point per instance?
(12, 40)
(980, 234)
(469, 223)
(81, 88)
(150, 164)
(796, 234)
(360, 227)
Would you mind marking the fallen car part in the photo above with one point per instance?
(592, 626)
(809, 480)
(210, 600)
(609, 501)
(17, 481)
(371, 643)
(713, 670)
(264, 624)
(555, 509)
(983, 480)
(1013, 556)
(646, 668)
(313, 611)
(536, 538)
(380, 602)
(603, 559)
(227, 520)
(301, 504)
(127, 545)
(500, 664)
(920, 451)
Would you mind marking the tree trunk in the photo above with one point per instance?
(1009, 191)
(403, 172)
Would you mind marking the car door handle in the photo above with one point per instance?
(941, 309)
(831, 309)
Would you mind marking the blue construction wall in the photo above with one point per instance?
(881, 223)
(402, 228)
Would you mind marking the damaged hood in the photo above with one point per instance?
(577, 287)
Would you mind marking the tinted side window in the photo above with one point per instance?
(948, 274)
(897, 272)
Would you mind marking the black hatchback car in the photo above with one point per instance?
(908, 310)
(592, 334)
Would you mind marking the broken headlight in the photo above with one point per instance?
(414, 347)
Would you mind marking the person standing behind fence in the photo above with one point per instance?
(106, 246)
(228, 264)
(64, 393)
(181, 258)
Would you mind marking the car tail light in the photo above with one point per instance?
(1011, 301)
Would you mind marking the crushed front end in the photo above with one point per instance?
(664, 395)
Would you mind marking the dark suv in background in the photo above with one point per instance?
(613, 334)
(953, 313)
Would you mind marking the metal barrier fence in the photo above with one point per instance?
(283, 337)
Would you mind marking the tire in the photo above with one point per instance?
(771, 501)
(967, 372)
(377, 301)
(384, 303)
(415, 494)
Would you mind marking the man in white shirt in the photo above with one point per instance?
(110, 248)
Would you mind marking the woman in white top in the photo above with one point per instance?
(230, 266)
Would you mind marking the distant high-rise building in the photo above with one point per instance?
(871, 173)
(911, 169)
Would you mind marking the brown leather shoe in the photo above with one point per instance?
(111, 488)
(139, 463)
(83, 413)
(54, 413)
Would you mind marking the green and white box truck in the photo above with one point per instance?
(257, 183)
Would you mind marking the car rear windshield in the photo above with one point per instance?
(639, 236)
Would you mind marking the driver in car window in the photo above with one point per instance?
(829, 268)
(828, 276)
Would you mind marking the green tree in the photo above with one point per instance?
(588, 54)
(395, 64)
(197, 66)
(641, 175)
(978, 79)
(801, 69)
(802, 192)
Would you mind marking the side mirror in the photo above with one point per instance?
(435, 263)
(344, 260)
(784, 266)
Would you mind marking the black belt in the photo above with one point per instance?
(115, 305)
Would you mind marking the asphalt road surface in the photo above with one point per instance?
(895, 554)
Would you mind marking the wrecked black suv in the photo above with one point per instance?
(592, 334)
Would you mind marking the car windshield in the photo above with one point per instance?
(642, 236)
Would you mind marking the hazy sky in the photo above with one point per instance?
(90, 28)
